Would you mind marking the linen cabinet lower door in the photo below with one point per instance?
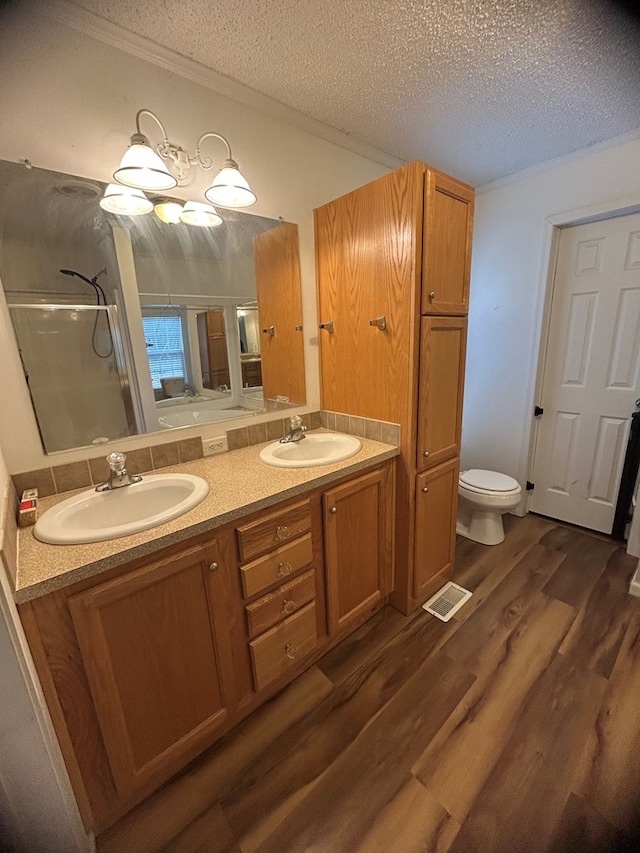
(358, 519)
(154, 660)
(436, 514)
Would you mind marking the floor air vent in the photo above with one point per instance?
(447, 601)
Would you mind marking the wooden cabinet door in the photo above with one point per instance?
(441, 387)
(157, 662)
(212, 344)
(366, 261)
(359, 528)
(436, 514)
(277, 265)
(446, 261)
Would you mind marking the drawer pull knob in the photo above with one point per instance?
(425, 489)
(425, 453)
(288, 605)
(333, 510)
(290, 651)
(282, 533)
(432, 295)
(213, 567)
(284, 569)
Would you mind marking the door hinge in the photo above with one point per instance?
(530, 486)
(538, 411)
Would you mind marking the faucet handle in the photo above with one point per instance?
(116, 461)
(296, 421)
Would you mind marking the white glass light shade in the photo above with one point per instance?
(143, 169)
(168, 210)
(125, 201)
(229, 188)
(198, 213)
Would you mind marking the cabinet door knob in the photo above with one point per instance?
(284, 569)
(282, 533)
(288, 605)
(380, 322)
(270, 330)
(213, 567)
(328, 326)
(333, 510)
(425, 489)
(432, 295)
(425, 453)
(290, 651)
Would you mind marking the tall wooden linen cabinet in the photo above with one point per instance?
(393, 261)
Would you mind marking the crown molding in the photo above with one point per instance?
(557, 162)
(99, 28)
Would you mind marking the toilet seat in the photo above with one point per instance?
(480, 481)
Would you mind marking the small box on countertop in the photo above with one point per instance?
(28, 508)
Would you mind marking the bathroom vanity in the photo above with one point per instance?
(150, 647)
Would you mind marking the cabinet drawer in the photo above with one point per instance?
(264, 572)
(281, 648)
(269, 531)
(276, 606)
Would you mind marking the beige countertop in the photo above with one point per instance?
(239, 484)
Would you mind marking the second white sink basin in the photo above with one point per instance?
(321, 448)
(96, 516)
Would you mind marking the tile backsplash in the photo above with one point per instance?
(92, 472)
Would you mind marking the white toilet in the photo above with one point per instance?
(484, 496)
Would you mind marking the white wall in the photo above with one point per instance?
(508, 282)
(68, 102)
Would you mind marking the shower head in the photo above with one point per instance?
(79, 275)
(92, 281)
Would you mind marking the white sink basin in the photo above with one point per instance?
(95, 516)
(315, 449)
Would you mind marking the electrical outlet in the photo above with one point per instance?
(211, 446)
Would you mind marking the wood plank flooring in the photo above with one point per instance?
(514, 728)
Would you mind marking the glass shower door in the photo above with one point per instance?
(74, 367)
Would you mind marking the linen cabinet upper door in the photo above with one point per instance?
(446, 262)
(441, 386)
(366, 265)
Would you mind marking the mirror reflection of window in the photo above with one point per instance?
(164, 334)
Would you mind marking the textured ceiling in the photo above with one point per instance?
(479, 89)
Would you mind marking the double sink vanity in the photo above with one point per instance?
(152, 645)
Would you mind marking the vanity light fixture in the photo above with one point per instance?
(198, 213)
(168, 210)
(144, 169)
(125, 201)
(201, 214)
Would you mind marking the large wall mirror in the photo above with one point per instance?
(129, 325)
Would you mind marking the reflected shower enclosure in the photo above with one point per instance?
(73, 364)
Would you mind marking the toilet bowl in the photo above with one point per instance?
(484, 497)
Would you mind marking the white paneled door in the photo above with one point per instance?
(591, 373)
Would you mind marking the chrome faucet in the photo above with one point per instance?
(297, 431)
(118, 476)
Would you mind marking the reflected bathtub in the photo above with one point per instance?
(187, 416)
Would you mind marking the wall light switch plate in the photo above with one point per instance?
(211, 446)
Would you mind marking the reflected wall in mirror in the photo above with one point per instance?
(128, 325)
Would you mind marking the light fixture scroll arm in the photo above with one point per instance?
(163, 148)
(207, 162)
